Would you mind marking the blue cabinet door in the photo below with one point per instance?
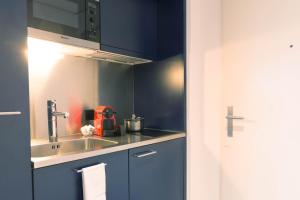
(157, 171)
(170, 28)
(62, 182)
(129, 27)
(15, 165)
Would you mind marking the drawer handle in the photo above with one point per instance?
(10, 113)
(80, 170)
(149, 153)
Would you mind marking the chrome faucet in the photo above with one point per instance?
(52, 120)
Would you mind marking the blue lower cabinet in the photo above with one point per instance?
(62, 182)
(156, 172)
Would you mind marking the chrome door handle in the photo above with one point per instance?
(230, 117)
(149, 153)
(235, 117)
(10, 113)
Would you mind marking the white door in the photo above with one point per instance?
(261, 80)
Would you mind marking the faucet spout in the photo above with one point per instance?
(61, 114)
(52, 120)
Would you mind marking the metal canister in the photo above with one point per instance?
(135, 124)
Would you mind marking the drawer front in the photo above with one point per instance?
(157, 171)
(62, 182)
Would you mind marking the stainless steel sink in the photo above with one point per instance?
(70, 147)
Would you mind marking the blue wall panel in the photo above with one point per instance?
(159, 93)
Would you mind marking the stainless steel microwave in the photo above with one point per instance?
(74, 18)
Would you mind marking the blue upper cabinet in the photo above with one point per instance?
(129, 27)
(15, 165)
(156, 172)
(170, 28)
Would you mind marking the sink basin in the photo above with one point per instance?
(70, 147)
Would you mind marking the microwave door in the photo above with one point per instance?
(66, 17)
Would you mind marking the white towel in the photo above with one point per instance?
(94, 182)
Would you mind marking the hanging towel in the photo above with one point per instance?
(94, 182)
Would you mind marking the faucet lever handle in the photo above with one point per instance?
(66, 115)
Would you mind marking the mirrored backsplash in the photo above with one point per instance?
(77, 84)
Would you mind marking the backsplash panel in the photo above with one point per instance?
(76, 84)
(116, 88)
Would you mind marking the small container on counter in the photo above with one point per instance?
(135, 124)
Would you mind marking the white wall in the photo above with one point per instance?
(204, 98)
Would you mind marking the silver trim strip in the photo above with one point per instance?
(10, 113)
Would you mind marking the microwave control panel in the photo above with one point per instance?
(93, 20)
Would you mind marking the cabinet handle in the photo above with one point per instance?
(80, 170)
(10, 113)
(149, 153)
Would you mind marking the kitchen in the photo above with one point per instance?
(73, 74)
(149, 99)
